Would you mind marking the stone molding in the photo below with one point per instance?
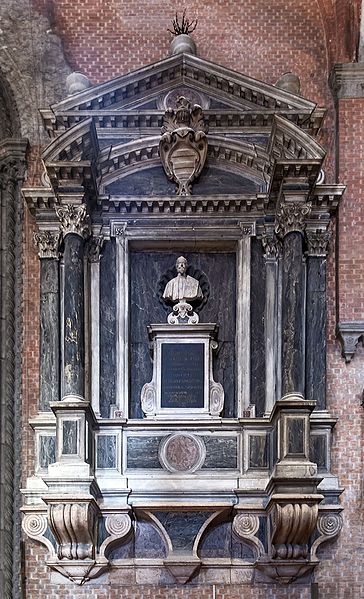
(347, 80)
(47, 243)
(349, 333)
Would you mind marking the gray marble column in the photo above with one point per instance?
(272, 329)
(48, 244)
(315, 383)
(290, 226)
(75, 229)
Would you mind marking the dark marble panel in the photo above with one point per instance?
(292, 314)
(221, 452)
(183, 380)
(258, 451)
(47, 450)
(146, 271)
(142, 452)
(257, 315)
(316, 332)
(149, 541)
(154, 182)
(49, 333)
(295, 435)
(106, 451)
(74, 343)
(182, 527)
(241, 550)
(318, 451)
(108, 328)
(49, 535)
(262, 531)
(274, 446)
(70, 434)
(216, 542)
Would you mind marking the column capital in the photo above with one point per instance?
(318, 242)
(272, 246)
(291, 217)
(74, 219)
(47, 243)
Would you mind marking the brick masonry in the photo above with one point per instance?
(263, 40)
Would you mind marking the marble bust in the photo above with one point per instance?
(182, 287)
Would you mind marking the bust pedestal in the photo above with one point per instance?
(182, 385)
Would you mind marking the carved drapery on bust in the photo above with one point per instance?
(183, 145)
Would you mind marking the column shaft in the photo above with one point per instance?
(293, 303)
(73, 343)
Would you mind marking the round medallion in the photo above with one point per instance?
(169, 99)
(182, 452)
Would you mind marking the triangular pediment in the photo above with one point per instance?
(218, 89)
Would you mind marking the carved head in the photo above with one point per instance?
(181, 265)
(183, 112)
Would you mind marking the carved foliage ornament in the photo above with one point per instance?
(47, 243)
(183, 145)
(317, 242)
(74, 219)
(291, 217)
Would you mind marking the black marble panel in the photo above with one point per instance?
(258, 451)
(70, 434)
(142, 452)
(257, 315)
(74, 344)
(216, 542)
(318, 451)
(274, 444)
(316, 332)
(154, 182)
(293, 302)
(146, 270)
(108, 328)
(49, 333)
(221, 452)
(149, 541)
(241, 550)
(182, 375)
(106, 451)
(182, 527)
(262, 531)
(47, 450)
(295, 436)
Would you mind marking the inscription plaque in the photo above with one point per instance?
(182, 375)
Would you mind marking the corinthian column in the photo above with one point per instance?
(75, 229)
(47, 243)
(290, 225)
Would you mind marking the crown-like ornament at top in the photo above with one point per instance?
(182, 41)
(183, 145)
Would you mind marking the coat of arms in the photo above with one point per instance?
(183, 145)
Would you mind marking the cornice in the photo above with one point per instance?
(347, 80)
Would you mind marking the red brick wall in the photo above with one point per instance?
(351, 214)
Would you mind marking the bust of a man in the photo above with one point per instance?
(182, 287)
